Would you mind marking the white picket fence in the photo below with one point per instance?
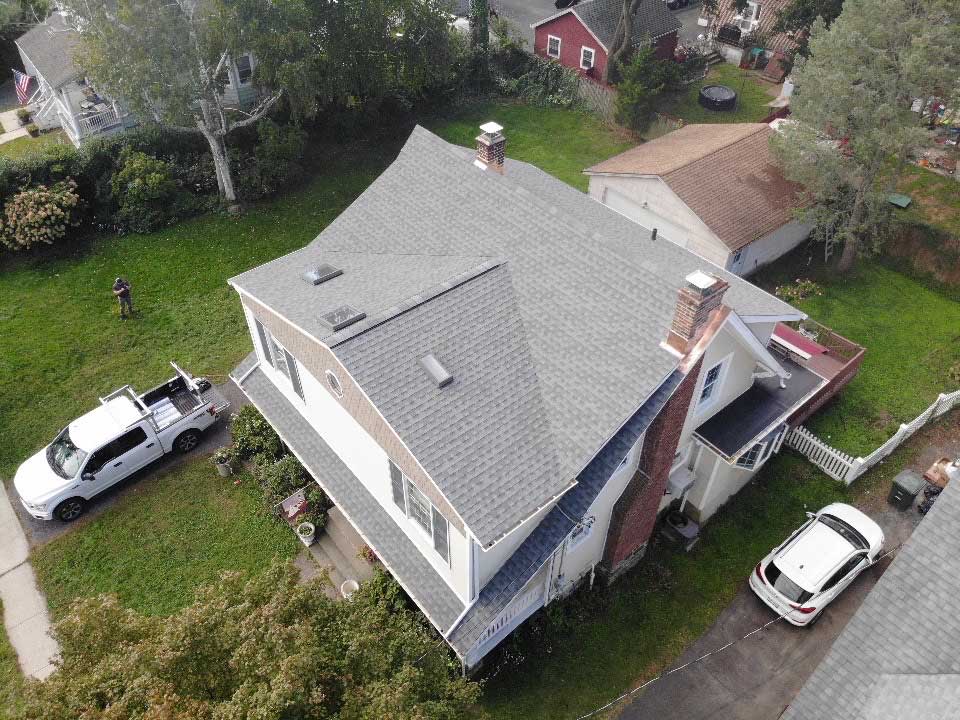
(846, 468)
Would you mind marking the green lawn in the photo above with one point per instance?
(911, 335)
(936, 198)
(753, 96)
(168, 536)
(22, 147)
(562, 142)
(11, 680)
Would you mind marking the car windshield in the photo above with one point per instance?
(845, 530)
(785, 586)
(64, 457)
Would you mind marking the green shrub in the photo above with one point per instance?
(280, 479)
(144, 190)
(318, 504)
(644, 78)
(39, 215)
(797, 291)
(274, 163)
(23, 115)
(539, 81)
(253, 436)
(32, 129)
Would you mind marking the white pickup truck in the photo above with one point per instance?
(125, 433)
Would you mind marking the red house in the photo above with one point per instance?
(579, 37)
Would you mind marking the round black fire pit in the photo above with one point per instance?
(718, 97)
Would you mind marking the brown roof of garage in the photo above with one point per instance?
(723, 173)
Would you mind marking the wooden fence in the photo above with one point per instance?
(846, 468)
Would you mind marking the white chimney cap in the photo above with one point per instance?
(491, 128)
(700, 279)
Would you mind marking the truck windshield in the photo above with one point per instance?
(64, 457)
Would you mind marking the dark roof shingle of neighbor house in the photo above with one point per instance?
(651, 21)
(550, 320)
(898, 658)
(725, 174)
(50, 46)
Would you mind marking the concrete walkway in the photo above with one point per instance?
(25, 613)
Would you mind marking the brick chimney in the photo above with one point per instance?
(490, 147)
(700, 295)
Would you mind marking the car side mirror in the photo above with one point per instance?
(810, 515)
(88, 476)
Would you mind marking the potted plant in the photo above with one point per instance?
(23, 115)
(224, 459)
(33, 129)
(366, 553)
(306, 531)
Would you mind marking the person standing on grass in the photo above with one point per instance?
(121, 290)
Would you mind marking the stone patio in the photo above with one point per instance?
(336, 548)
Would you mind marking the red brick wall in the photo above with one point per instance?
(573, 36)
(635, 513)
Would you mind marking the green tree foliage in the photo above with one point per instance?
(261, 647)
(798, 17)
(644, 78)
(40, 215)
(853, 109)
(144, 190)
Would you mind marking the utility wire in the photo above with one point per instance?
(713, 652)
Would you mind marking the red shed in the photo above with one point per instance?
(580, 37)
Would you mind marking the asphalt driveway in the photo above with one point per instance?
(756, 679)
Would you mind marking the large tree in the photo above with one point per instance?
(854, 126)
(265, 647)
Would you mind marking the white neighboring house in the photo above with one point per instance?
(713, 189)
(503, 384)
(64, 98)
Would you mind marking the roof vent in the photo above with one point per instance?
(437, 372)
(320, 273)
(341, 317)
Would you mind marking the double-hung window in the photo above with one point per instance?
(278, 357)
(417, 507)
(553, 46)
(586, 57)
(711, 384)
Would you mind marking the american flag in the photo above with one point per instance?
(22, 81)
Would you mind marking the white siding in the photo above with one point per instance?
(664, 211)
(369, 463)
(771, 246)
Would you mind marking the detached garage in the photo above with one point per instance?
(713, 189)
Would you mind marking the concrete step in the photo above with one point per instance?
(322, 557)
(343, 565)
(713, 58)
(348, 542)
(307, 564)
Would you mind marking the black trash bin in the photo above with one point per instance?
(906, 486)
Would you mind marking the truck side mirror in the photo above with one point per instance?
(810, 515)
(88, 476)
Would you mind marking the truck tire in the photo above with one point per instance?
(186, 441)
(70, 509)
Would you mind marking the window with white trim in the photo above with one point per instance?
(279, 358)
(587, 56)
(417, 506)
(711, 384)
(757, 455)
(333, 382)
(553, 46)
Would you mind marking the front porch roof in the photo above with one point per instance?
(437, 600)
(755, 412)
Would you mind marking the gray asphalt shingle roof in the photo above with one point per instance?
(898, 656)
(652, 19)
(573, 316)
(50, 46)
(391, 544)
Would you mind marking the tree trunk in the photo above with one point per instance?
(622, 37)
(218, 149)
(851, 242)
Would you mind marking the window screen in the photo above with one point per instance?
(294, 374)
(244, 68)
(440, 543)
(264, 343)
(418, 507)
(396, 482)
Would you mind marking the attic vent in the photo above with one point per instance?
(341, 317)
(437, 372)
(321, 273)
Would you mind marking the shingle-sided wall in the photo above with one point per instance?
(573, 36)
(318, 359)
(635, 513)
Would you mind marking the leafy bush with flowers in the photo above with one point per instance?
(40, 215)
(798, 290)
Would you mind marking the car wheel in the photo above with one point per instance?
(816, 618)
(69, 510)
(186, 441)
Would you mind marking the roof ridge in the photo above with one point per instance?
(760, 128)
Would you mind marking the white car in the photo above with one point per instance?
(802, 576)
(125, 433)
